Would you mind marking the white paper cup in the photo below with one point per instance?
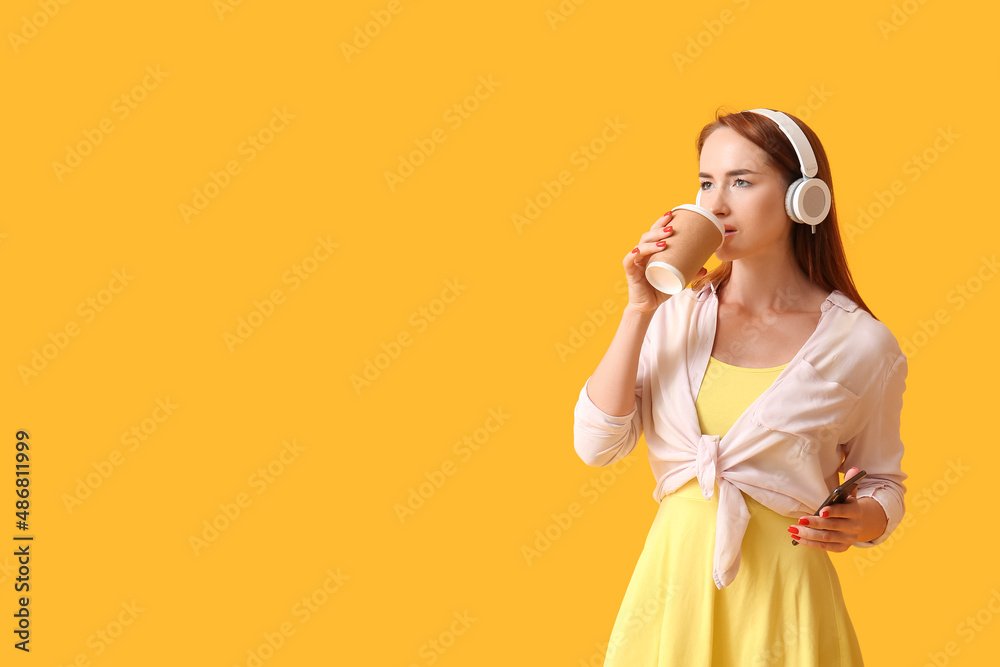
(696, 235)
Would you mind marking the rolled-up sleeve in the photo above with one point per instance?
(601, 439)
(878, 450)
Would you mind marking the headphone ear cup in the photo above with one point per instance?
(808, 201)
(790, 200)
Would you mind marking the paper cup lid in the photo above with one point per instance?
(705, 212)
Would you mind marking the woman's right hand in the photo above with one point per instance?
(642, 296)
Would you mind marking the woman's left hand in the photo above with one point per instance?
(840, 526)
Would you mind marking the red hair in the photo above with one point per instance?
(821, 255)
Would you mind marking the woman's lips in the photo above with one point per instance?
(729, 232)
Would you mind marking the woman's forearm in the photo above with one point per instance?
(612, 385)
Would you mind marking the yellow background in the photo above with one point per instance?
(502, 299)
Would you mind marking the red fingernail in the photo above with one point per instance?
(792, 529)
(668, 228)
(803, 521)
(825, 513)
(635, 249)
(667, 213)
(661, 243)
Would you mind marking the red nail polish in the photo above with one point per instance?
(667, 213)
(635, 249)
(794, 530)
(668, 228)
(825, 513)
(661, 243)
(803, 521)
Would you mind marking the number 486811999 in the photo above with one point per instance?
(23, 470)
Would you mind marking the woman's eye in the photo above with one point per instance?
(737, 181)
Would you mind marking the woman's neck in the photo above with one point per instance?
(771, 282)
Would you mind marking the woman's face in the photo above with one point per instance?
(746, 193)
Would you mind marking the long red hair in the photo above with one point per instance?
(821, 255)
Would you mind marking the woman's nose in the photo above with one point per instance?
(712, 200)
(715, 203)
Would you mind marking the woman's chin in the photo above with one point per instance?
(724, 255)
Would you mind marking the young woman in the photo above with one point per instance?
(755, 388)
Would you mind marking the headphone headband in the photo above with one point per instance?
(804, 151)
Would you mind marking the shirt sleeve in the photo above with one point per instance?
(601, 439)
(878, 450)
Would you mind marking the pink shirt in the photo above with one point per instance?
(835, 405)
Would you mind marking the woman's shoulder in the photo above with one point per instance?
(859, 330)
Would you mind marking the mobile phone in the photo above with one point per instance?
(839, 495)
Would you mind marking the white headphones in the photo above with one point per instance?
(808, 199)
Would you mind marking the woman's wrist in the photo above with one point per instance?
(873, 519)
(634, 309)
(632, 316)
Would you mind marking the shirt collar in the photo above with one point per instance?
(837, 298)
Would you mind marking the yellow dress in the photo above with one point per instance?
(785, 607)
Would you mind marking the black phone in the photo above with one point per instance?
(839, 495)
